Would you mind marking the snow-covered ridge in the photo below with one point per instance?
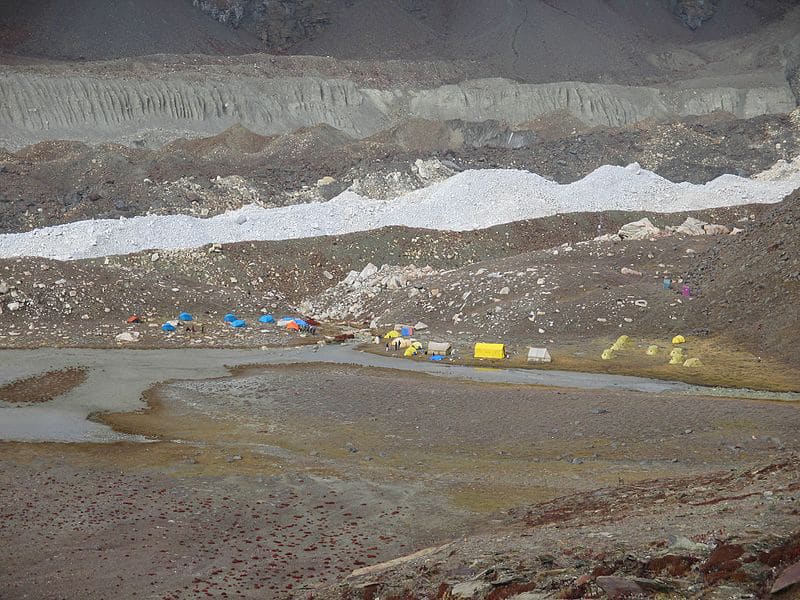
(468, 200)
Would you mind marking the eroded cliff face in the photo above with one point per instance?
(95, 107)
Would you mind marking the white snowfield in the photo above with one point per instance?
(468, 200)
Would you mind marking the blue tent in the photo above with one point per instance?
(301, 323)
(229, 318)
(184, 316)
(406, 331)
(239, 323)
(266, 319)
(167, 327)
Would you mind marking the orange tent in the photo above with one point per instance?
(133, 319)
(293, 326)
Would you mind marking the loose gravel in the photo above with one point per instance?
(473, 199)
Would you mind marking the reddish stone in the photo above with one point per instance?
(722, 555)
(673, 564)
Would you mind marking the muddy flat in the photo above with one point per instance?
(282, 480)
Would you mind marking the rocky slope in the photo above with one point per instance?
(752, 284)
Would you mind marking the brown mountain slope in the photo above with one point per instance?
(751, 283)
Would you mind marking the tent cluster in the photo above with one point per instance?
(297, 324)
(618, 345)
(171, 325)
(677, 355)
(235, 322)
(399, 339)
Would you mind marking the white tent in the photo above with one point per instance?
(439, 348)
(539, 355)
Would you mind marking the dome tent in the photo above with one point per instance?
(239, 323)
(168, 327)
(229, 318)
(266, 319)
(185, 316)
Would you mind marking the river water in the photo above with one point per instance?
(116, 380)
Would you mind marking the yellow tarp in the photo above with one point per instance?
(607, 354)
(391, 335)
(679, 339)
(485, 350)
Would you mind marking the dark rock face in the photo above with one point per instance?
(693, 13)
(278, 23)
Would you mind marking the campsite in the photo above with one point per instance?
(400, 299)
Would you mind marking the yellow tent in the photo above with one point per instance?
(607, 354)
(652, 350)
(621, 341)
(679, 339)
(416, 345)
(391, 335)
(485, 350)
(410, 351)
(693, 362)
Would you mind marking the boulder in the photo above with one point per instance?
(395, 282)
(327, 180)
(691, 226)
(639, 230)
(712, 229)
(351, 278)
(627, 271)
(617, 587)
(127, 337)
(470, 589)
(789, 577)
(368, 271)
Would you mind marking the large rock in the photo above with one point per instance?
(788, 578)
(713, 229)
(691, 226)
(470, 589)
(617, 587)
(368, 271)
(693, 13)
(127, 337)
(642, 229)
